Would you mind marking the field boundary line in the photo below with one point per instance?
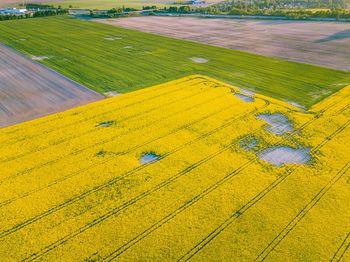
(96, 130)
(175, 130)
(49, 68)
(29, 170)
(108, 102)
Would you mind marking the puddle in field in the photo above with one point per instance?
(199, 60)
(250, 143)
(279, 156)
(244, 97)
(278, 123)
(105, 124)
(113, 38)
(112, 94)
(129, 46)
(149, 157)
(295, 105)
(41, 57)
(246, 92)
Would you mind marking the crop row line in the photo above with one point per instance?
(100, 114)
(128, 203)
(345, 245)
(130, 149)
(213, 187)
(206, 240)
(146, 193)
(302, 213)
(26, 171)
(143, 195)
(126, 174)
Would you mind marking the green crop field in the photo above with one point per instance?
(107, 58)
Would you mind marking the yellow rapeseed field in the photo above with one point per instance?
(72, 187)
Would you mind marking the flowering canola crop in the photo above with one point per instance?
(72, 187)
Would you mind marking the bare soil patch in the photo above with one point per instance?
(29, 90)
(319, 43)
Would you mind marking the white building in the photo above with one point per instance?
(13, 11)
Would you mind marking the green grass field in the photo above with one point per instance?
(135, 60)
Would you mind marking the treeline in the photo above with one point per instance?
(120, 12)
(282, 4)
(182, 9)
(337, 13)
(34, 14)
(254, 10)
(38, 6)
(149, 7)
(50, 12)
(114, 13)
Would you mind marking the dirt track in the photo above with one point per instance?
(29, 90)
(320, 43)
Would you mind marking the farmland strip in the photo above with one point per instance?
(193, 251)
(128, 173)
(303, 212)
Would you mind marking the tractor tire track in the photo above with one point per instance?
(199, 246)
(345, 245)
(96, 129)
(6, 202)
(128, 203)
(29, 170)
(161, 222)
(126, 174)
(303, 212)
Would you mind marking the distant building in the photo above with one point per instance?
(197, 2)
(12, 11)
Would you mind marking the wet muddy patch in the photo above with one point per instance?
(244, 98)
(246, 92)
(112, 94)
(279, 156)
(113, 38)
(250, 143)
(105, 124)
(149, 158)
(278, 123)
(39, 58)
(199, 60)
